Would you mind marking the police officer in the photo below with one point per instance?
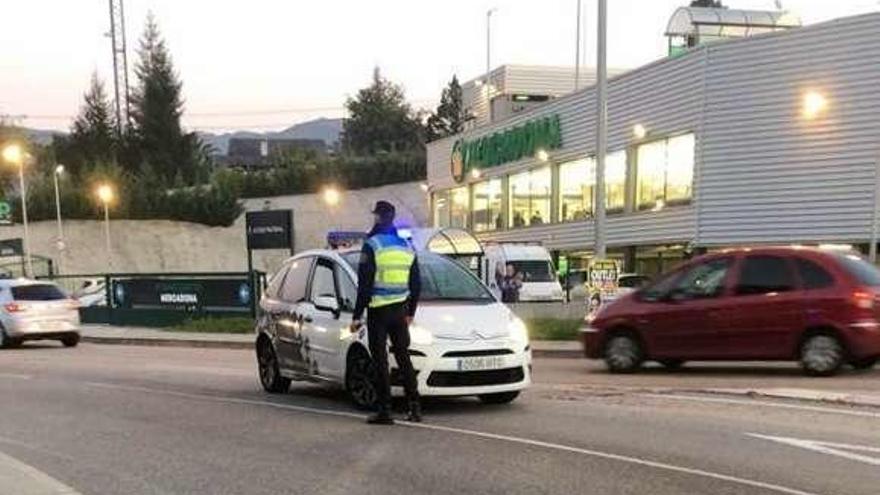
(389, 283)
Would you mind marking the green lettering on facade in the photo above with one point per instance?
(506, 146)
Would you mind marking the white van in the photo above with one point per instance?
(532, 261)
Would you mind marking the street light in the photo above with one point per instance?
(814, 104)
(601, 128)
(105, 195)
(14, 154)
(331, 196)
(639, 131)
(489, 59)
(60, 241)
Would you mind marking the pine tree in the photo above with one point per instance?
(92, 140)
(156, 137)
(380, 120)
(449, 118)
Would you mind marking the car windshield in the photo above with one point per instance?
(443, 279)
(862, 270)
(534, 270)
(37, 292)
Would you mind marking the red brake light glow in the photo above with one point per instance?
(14, 307)
(863, 300)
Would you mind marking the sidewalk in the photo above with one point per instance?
(105, 334)
(21, 479)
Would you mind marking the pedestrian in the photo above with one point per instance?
(510, 285)
(389, 285)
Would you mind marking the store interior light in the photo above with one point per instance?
(475, 173)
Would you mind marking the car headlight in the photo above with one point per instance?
(518, 330)
(420, 335)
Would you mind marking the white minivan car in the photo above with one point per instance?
(463, 341)
(531, 262)
(36, 310)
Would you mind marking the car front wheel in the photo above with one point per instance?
(623, 354)
(270, 373)
(360, 379)
(499, 398)
(7, 342)
(822, 355)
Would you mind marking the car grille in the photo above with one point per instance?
(483, 352)
(475, 378)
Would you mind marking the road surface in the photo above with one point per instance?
(159, 420)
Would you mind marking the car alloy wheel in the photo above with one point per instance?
(822, 355)
(623, 354)
(270, 375)
(360, 380)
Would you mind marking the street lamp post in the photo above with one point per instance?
(60, 242)
(105, 194)
(601, 129)
(489, 60)
(14, 154)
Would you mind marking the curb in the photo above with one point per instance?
(220, 344)
(203, 344)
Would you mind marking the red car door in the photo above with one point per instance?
(765, 310)
(678, 323)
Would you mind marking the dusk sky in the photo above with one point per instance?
(266, 64)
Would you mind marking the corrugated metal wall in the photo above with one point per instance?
(770, 174)
(763, 172)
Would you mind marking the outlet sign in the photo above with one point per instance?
(505, 146)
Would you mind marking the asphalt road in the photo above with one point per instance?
(154, 420)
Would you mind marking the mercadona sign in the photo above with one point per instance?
(505, 146)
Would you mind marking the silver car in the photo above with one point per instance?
(36, 310)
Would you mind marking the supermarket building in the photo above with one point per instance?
(771, 138)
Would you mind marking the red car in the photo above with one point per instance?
(819, 307)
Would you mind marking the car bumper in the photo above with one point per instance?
(863, 339)
(40, 329)
(440, 373)
(591, 340)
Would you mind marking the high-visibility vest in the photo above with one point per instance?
(394, 259)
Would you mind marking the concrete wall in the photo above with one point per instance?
(165, 246)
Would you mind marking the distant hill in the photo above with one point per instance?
(41, 136)
(327, 130)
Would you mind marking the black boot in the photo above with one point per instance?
(415, 412)
(383, 417)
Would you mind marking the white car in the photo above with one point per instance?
(463, 341)
(36, 310)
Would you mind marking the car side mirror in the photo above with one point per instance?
(327, 303)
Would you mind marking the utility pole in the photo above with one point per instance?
(120, 63)
(601, 129)
(577, 49)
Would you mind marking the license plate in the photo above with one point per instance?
(480, 363)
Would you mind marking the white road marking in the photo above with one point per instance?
(491, 436)
(830, 448)
(27, 479)
(747, 402)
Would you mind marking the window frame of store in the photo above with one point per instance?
(510, 200)
(558, 195)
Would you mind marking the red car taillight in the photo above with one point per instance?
(14, 307)
(863, 300)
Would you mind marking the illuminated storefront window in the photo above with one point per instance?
(665, 172)
(529, 194)
(441, 209)
(576, 183)
(459, 207)
(615, 181)
(486, 203)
